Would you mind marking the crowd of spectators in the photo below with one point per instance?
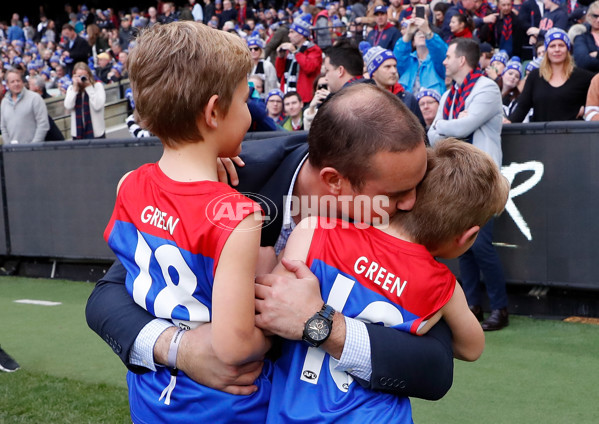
(288, 44)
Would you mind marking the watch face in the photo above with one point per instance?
(317, 329)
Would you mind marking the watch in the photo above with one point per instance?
(318, 328)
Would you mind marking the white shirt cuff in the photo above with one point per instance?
(356, 358)
(142, 352)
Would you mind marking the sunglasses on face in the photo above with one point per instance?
(255, 49)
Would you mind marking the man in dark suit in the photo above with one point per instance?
(508, 32)
(396, 362)
(79, 50)
(529, 17)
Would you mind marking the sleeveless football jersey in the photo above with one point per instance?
(371, 276)
(169, 236)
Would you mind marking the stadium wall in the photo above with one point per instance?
(57, 198)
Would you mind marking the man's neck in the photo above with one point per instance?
(307, 182)
(461, 76)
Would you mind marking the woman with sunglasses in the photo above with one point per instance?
(586, 45)
(262, 68)
(557, 90)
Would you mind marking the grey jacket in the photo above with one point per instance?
(484, 119)
(25, 120)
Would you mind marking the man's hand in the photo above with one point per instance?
(197, 359)
(225, 168)
(491, 19)
(284, 304)
(284, 48)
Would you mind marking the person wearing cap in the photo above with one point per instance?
(23, 114)
(382, 68)
(116, 73)
(274, 106)
(422, 53)
(384, 34)
(507, 31)
(497, 65)
(126, 32)
(554, 16)
(103, 67)
(428, 102)
(471, 110)
(298, 62)
(262, 68)
(508, 83)
(586, 45)
(557, 90)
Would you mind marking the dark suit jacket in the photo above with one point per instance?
(403, 364)
(79, 52)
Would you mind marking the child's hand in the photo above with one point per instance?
(225, 168)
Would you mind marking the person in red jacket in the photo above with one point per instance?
(298, 62)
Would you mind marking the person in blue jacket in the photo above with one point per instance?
(420, 54)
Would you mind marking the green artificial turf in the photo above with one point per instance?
(532, 372)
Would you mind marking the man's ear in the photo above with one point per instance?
(468, 235)
(332, 180)
(211, 113)
(341, 71)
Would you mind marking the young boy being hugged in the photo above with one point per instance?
(387, 274)
(189, 243)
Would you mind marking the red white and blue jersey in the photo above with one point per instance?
(169, 236)
(371, 276)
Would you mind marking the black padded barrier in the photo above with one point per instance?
(60, 196)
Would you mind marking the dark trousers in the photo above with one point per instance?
(482, 257)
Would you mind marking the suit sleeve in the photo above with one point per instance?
(114, 316)
(407, 365)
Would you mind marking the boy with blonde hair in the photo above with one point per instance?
(189, 243)
(388, 275)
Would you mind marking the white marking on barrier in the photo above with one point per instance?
(37, 302)
(510, 172)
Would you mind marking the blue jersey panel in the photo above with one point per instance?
(307, 388)
(193, 403)
(166, 280)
